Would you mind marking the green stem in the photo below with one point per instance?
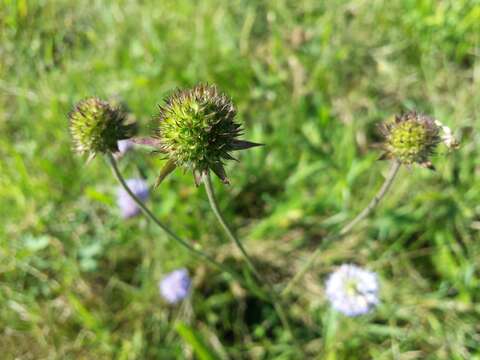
(214, 205)
(274, 298)
(178, 239)
(375, 201)
(349, 226)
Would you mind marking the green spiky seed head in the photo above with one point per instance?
(411, 138)
(196, 129)
(96, 126)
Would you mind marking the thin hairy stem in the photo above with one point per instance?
(375, 201)
(214, 205)
(347, 227)
(178, 239)
(274, 298)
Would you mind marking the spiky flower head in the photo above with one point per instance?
(196, 129)
(96, 126)
(352, 290)
(411, 138)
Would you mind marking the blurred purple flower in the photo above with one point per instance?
(175, 286)
(352, 290)
(127, 206)
(123, 147)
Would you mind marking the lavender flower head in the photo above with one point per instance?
(175, 286)
(352, 290)
(123, 147)
(127, 206)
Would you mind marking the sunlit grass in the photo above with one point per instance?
(310, 79)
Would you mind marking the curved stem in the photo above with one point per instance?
(349, 226)
(178, 239)
(214, 205)
(376, 199)
(275, 300)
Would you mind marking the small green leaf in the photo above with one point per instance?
(95, 195)
(195, 340)
(166, 170)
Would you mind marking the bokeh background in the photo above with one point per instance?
(311, 79)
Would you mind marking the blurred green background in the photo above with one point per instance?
(311, 79)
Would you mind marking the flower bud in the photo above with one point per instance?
(96, 127)
(196, 129)
(411, 138)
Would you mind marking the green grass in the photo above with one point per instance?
(311, 79)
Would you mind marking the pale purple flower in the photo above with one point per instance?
(127, 206)
(123, 147)
(352, 290)
(448, 138)
(175, 286)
